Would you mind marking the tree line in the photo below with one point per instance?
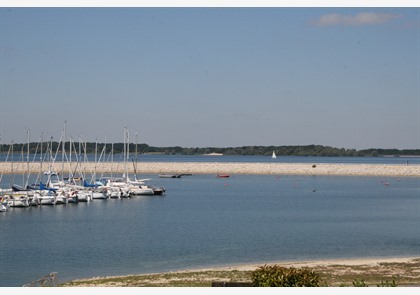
(117, 148)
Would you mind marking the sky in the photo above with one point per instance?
(212, 76)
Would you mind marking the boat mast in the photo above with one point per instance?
(80, 157)
(70, 170)
(62, 151)
(27, 160)
(112, 159)
(41, 159)
(84, 160)
(12, 179)
(50, 159)
(94, 168)
(104, 156)
(135, 166)
(126, 152)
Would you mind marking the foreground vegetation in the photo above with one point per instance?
(387, 274)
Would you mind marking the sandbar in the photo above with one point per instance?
(335, 169)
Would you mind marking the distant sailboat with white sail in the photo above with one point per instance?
(274, 155)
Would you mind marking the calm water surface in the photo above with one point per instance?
(207, 221)
(22, 158)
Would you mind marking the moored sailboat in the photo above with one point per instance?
(17, 200)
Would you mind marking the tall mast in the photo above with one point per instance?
(112, 159)
(50, 161)
(27, 160)
(39, 177)
(62, 150)
(96, 152)
(51, 155)
(70, 169)
(128, 150)
(125, 152)
(96, 149)
(135, 167)
(40, 166)
(12, 179)
(84, 160)
(128, 145)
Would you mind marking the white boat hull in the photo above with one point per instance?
(140, 191)
(47, 200)
(15, 201)
(84, 196)
(61, 200)
(114, 193)
(99, 195)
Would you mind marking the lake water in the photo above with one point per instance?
(241, 159)
(207, 221)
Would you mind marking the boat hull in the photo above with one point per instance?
(18, 202)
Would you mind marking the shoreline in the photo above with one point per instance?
(384, 266)
(219, 168)
(372, 261)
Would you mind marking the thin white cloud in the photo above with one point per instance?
(363, 18)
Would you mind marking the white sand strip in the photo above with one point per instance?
(218, 168)
(311, 263)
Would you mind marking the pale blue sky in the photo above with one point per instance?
(221, 77)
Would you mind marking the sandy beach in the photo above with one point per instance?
(218, 168)
(313, 263)
(335, 272)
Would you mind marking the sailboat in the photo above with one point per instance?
(274, 155)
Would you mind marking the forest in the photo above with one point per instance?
(117, 148)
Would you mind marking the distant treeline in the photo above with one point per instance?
(117, 148)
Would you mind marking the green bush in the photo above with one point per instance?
(393, 283)
(278, 276)
(361, 283)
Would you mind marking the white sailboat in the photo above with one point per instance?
(274, 155)
(17, 200)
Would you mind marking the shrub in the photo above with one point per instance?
(277, 276)
(387, 284)
(361, 283)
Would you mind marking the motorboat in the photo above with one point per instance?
(140, 190)
(170, 175)
(158, 191)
